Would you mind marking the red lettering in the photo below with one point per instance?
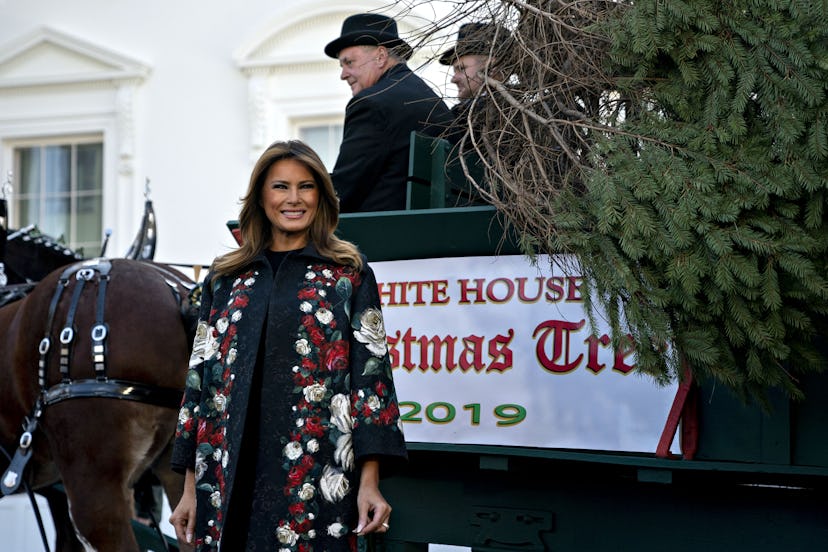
(555, 288)
(418, 286)
(436, 355)
(592, 354)
(490, 290)
(407, 340)
(403, 293)
(574, 288)
(393, 353)
(472, 355)
(439, 352)
(439, 292)
(499, 349)
(395, 293)
(386, 295)
(465, 290)
(625, 349)
(561, 339)
(522, 290)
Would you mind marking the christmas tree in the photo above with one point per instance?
(679, 151)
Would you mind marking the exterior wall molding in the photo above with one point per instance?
(281, 54)
(25, 62)
(125, 125)
(257, 110)
(53, 84)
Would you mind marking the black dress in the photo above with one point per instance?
(252, 492)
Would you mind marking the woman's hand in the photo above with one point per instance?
(183, 518)
(374, 511)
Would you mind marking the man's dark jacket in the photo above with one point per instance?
(371, 170)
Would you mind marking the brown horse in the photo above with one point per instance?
(108, 398)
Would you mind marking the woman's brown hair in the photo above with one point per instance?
(255, 227)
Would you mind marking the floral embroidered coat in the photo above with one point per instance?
(340, 401)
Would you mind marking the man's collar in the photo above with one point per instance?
(394, 73)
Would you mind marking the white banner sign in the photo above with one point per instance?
(495, 351)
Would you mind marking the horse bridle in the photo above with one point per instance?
(101, 386)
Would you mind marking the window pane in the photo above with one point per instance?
(61, 189)
(325, 140)
(26, 212)
(90, 166)
(28, 170)
(58, 169)
(315, 137)
(336, 136)
(89, 227)
(56, 218)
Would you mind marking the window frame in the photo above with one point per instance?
(73, 194)
(333, 123)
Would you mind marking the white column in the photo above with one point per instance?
(258, 111)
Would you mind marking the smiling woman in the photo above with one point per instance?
(289, 198)
(290, 409)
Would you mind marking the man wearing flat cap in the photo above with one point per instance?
(389, 101)
(475, 55)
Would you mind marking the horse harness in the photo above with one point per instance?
(100, 386)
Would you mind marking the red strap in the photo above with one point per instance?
(689, 438)
(237, 234)
(684, 410)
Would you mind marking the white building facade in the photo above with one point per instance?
(97, 97)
